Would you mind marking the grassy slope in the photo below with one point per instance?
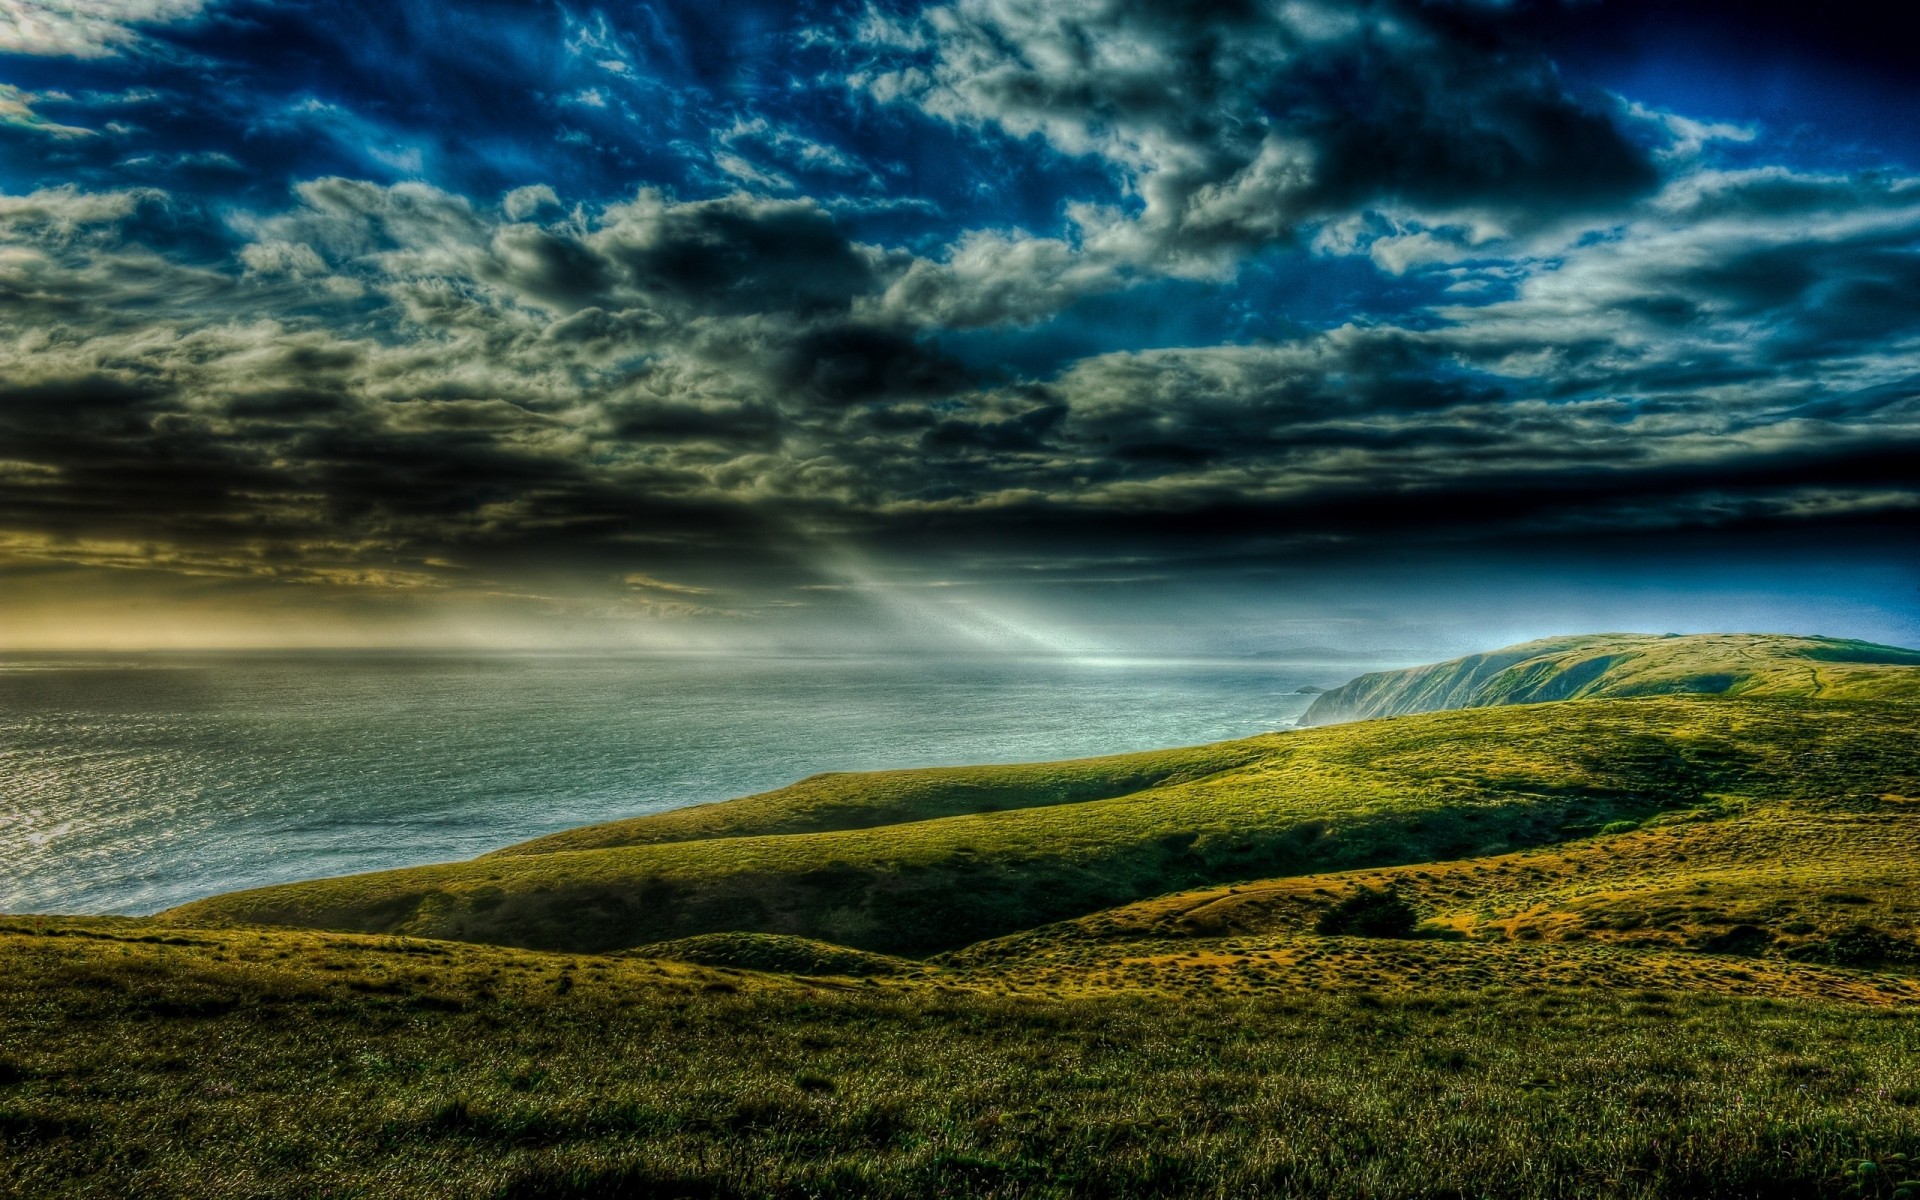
(1807, 871)
(841, 801)
(142, 1059)
(1437, 786)
(1765, 898)
(1617, 665)
(781, 954)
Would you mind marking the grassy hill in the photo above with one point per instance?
(1436, 786)
(1619, 665)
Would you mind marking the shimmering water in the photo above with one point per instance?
(131, 783)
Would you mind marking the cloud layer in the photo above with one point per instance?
(1567, 317)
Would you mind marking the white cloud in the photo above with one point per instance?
(16, 109)
(744, 171)
(648, 583)
(1686, 137)
(62, 212)
(295, 259)
(524, 202)
(84, 28)
(759, 153)
(1399, 253)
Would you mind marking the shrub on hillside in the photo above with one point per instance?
(1859, 946)
(1370, 913)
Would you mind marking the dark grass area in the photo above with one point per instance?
(297, 1065)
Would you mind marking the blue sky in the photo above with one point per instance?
(795, 325)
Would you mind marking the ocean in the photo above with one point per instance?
(130, 783)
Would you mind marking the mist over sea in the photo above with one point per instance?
(130, 783)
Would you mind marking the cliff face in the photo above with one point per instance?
(1615, 665)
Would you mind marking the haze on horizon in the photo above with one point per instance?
(1384, 329)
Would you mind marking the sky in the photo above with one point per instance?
(1085, 327)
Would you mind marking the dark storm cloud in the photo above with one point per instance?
(462, 391)
(852, 364)
(451, 339)
(1309, 108)
(732, 256)
(741, 256)
(1647, 380)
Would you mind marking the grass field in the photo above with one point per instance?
(1654, 947)
(142, 1060)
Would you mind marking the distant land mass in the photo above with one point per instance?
(1624, 665)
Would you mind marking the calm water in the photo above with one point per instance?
(131, 783)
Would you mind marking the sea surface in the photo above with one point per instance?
(130, 783)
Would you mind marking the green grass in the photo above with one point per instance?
(781, 954)
(1413, 789)
(842, 801)
(1783, 882)
(1621, 665)
(142, 1060)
